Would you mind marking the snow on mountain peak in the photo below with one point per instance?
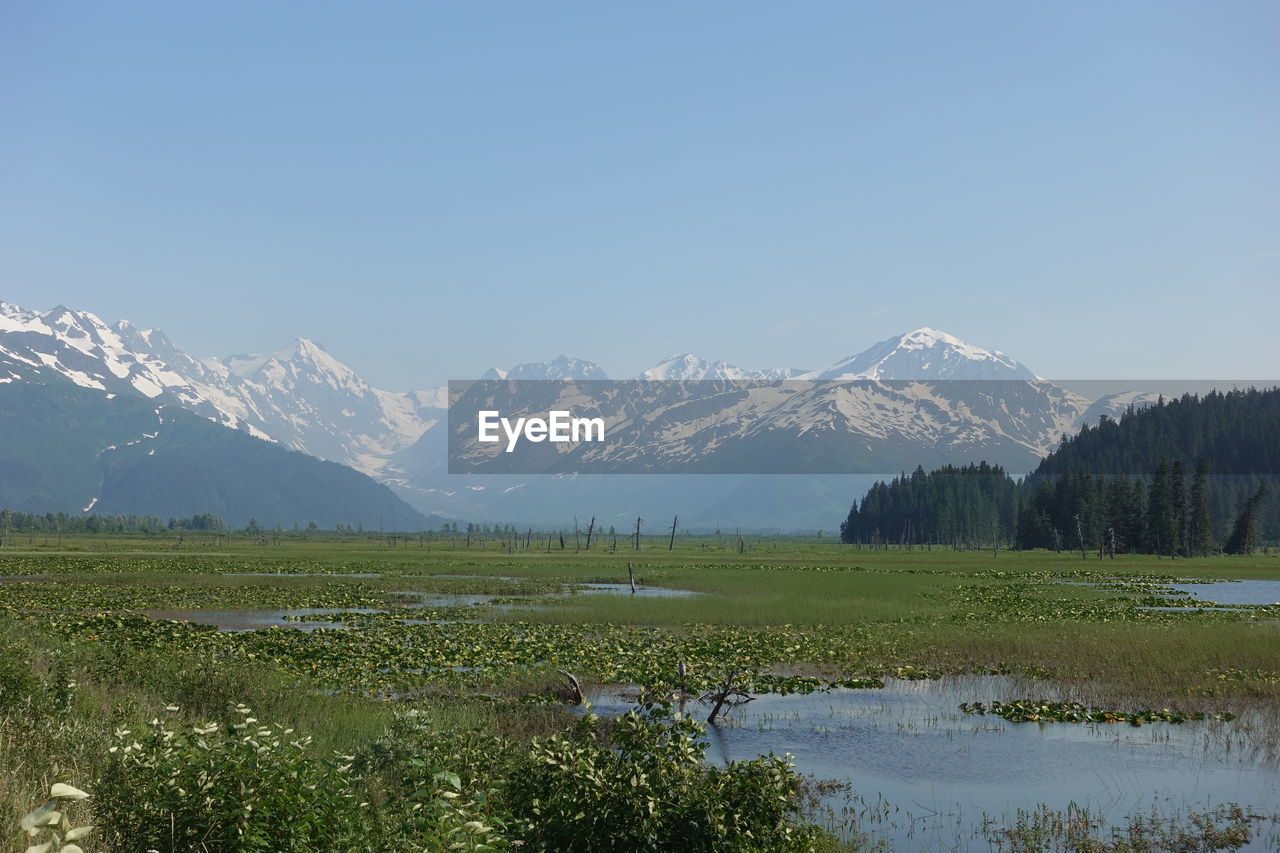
(299, 396)
(305, 399)
(926, 353)
(560, 367)
(302, 351)
(688, 367)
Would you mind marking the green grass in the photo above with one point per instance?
(789, 614)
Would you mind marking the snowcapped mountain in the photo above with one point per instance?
(300, 396)
(307, 400)
(116, 359)
(688, 367)
(1114, 405)
(561, 367)
(315, 403)
(925, 354)
(848, 426)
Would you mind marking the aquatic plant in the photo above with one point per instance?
(1045, 711)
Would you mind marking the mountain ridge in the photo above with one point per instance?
(305, 399)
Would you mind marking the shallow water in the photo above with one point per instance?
(1172, 609)
(1233, 592)
(444, 599)
(625, 589)
(940, 770)
(253, 620)
(248, 619)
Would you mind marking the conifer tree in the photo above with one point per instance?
(1178, 491)
(1244, 534)
(1161, 529)
(1200, 523)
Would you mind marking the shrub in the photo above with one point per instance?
(18, 683)
(448, 781)
(236, 787)
(648, 789)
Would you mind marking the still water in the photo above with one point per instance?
(923, 774)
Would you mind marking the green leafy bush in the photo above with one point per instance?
(647, 789)
(18, 683)
(638, 783)
(236, 787)
(449, 782)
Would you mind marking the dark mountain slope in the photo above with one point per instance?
(69, 449)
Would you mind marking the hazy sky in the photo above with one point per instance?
(431, 188)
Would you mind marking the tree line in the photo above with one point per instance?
(1124, 486)
(12, 521)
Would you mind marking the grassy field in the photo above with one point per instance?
(96, 623)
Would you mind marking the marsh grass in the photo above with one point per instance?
(788, 609)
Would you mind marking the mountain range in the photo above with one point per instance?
(303, 399)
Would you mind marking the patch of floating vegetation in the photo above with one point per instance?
(452, 576)
(411, 649)
(301, 574)
(1257, 676)
(1138, 601)
(79, 595)
(1045, 711)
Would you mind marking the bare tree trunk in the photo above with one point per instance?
(631, 578)
(672, 545)
(590, 529)
(724, 694)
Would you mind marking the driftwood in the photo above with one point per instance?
(574, 688)
(726, 695)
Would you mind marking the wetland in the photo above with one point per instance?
(926, 699)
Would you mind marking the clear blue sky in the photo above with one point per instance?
(431, 188)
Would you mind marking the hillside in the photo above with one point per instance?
(69, 449)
